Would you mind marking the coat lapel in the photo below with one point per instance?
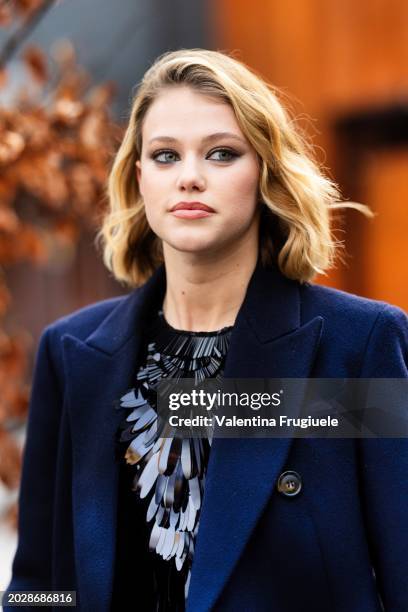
(99, 371)
(268, 341)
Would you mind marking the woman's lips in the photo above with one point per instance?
(191, 213)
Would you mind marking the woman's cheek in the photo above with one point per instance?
(153, 215)
(242, 185)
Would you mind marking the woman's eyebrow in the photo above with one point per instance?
(206, 139)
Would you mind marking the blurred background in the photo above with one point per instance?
(67, 72)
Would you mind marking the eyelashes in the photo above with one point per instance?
(232, 154)
(229, 153)
(156, 156)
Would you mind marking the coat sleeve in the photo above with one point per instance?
(32, 563)
(384, 466)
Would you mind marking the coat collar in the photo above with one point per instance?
(269, 340)
(271, 306)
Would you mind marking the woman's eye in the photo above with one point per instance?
(168, 157)
(223, 155)
(165, 157)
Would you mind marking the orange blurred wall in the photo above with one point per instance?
(333, 58)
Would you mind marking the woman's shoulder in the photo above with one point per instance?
(369, 336)
(82, 321)
(341, 306)
(373, 332)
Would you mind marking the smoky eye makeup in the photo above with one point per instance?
(220, 154)
(228, 151)
(163, 153)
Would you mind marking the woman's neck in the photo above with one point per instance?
(205, 294)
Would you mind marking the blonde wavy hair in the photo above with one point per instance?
(295, 195)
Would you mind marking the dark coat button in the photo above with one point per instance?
(289, 483)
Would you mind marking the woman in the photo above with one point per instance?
(218, 208)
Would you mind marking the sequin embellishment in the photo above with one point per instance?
(170, 472)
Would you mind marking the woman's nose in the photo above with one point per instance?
(190, 176)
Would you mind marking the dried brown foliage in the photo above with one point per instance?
(56, 144)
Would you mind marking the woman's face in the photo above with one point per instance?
(195, 152)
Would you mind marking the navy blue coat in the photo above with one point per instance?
(341, 545)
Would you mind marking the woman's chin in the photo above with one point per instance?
(193, 246)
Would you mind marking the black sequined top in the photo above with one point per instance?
(161, 484)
